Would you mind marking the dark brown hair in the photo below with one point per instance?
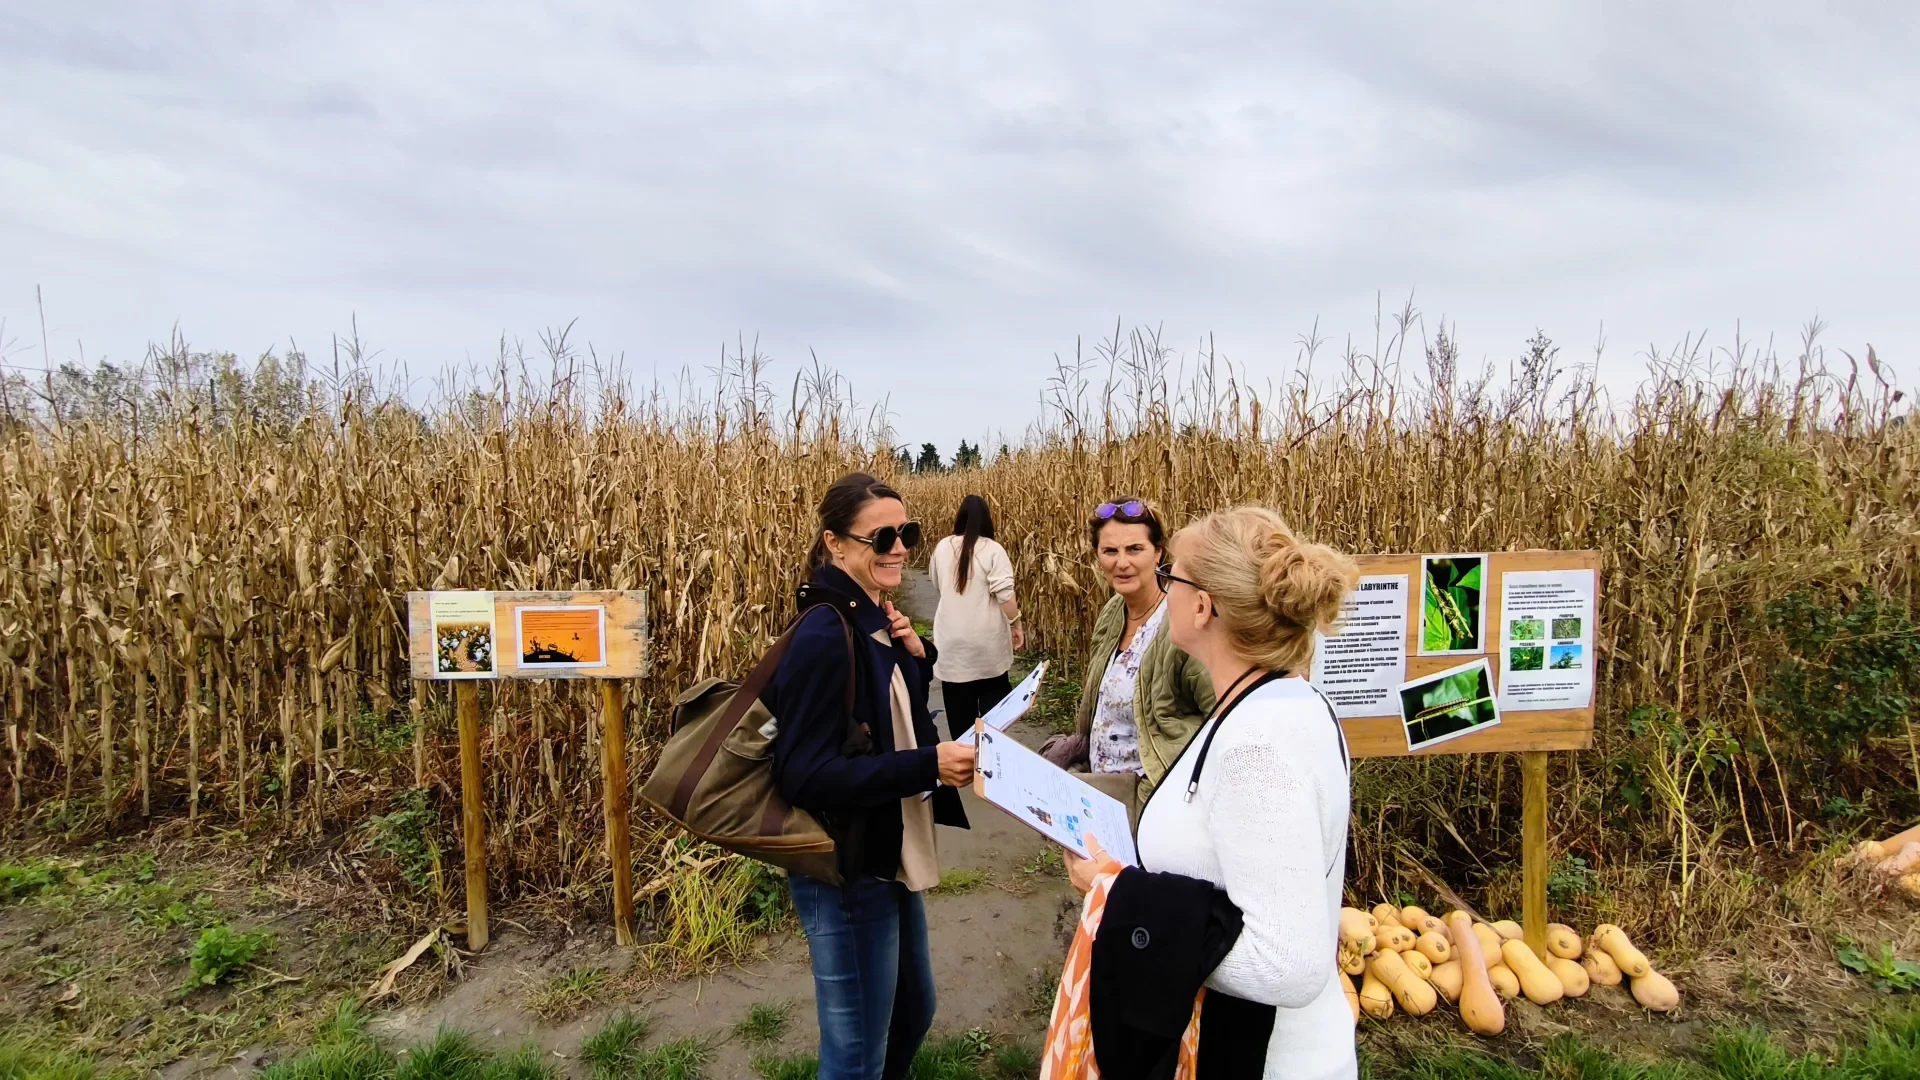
(972, 522)
(839, 507)
(1156, 533)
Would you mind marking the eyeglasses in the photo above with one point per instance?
(882, 541)
(1166, 577)
(1132, 508)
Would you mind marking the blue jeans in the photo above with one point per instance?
(872, 974)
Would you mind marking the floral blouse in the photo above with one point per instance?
(1114, 744)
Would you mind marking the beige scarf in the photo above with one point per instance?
(919, 861)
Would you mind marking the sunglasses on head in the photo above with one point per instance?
(1132, 508)
(886, 536)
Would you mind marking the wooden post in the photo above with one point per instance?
(466, 698)
(613, 777)
(1533, 849)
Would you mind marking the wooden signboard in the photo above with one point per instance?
(470, 637)
(1472, 653)
(1382, 731)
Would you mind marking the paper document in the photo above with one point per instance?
(1362, 663)
(1013, 706)
(1546, 655)
(1051, 800)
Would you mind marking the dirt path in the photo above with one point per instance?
(996, 948)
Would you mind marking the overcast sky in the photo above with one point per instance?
(937, 198)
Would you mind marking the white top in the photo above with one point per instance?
(1269, 825)
(1113, 746)
(969, 628)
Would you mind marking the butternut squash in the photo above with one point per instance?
(1449, 978)
(1489, 942)
(1541, 986)
(1480, 1003)
(1418, 964)
(1356, 930)
(1385, 915)
(1904, 861)
(1375, 1000)
(1655, 991)
(1563, 942)
(1396, 939)
(1900, 839)
(1417, 920)
(1910, 884)
(1508, 930)
(1504, 981)
(1633, 962)
(1866, 853)
(1573, 977)
(1600, 968)
(1353, 963)
(1434, 947)
(1411, 992)
(1353, 997)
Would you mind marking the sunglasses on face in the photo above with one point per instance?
(1132, 508)
(882, 540)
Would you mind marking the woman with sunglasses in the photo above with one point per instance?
(1256, 808)
(1141, 698)
(977, 625)
(876, 775)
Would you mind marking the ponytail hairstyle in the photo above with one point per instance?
(1271, 589)
(839, 507)
(972, 522)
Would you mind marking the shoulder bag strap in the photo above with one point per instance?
(743, 698)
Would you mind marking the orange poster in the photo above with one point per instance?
(562, 637)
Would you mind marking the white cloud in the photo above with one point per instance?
(937, 198)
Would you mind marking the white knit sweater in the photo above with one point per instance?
(1269, 825)
(969, 628)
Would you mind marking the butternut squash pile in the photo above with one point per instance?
(1407, 959)
(1895, 860)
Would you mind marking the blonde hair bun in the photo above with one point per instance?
(1272, 590)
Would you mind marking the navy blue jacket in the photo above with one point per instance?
(853, 785)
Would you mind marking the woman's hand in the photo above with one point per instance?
(1082, 871)
(1019, 637)
(901, 628)
(956, 764)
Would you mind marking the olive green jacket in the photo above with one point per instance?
(1170, 700)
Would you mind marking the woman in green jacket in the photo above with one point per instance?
(1141, 698)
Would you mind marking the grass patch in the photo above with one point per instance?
(19, 881)
(1056, 708)
(21, 1061)
(1016, 1061)
(219, 952)
(787, 1067)
(764, 1024)
(565, 994)
(959, 882)
(615, 1048)
(681, 1059)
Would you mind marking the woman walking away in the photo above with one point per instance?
(977, 625)
(1143, 697)
(1249, 834)
(864, 763)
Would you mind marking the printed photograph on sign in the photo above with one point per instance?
(1527, 629)
(463, 639)
(1448, 704)
(1566, 657)
(561, 637)
(1527, 657)
(1453, 616)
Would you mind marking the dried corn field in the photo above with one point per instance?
(204, 619)
(1709, 494)
(208, 622)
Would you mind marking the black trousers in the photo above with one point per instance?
(966, 701)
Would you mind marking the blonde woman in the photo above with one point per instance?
(1253, 813)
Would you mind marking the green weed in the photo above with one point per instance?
(1016, 1061)
(681, 1059)
(449, 1055)
(405, 836)
(764, 1024)
(567, 993)
(787, 1067)
(612, 1051)
(1886, 972)
(960, 881)
(219, 952)
(19, 881)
